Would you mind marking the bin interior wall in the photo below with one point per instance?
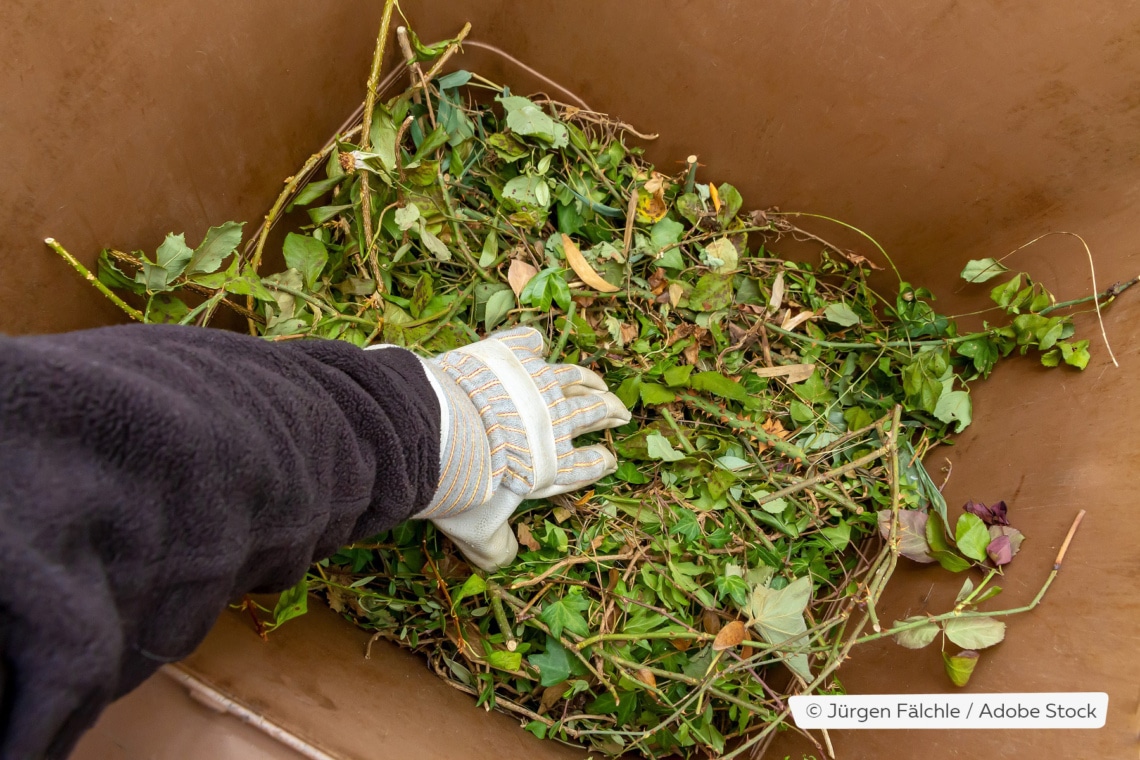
(947, 130)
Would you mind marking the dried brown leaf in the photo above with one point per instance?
(791, 323)
(582, 267)
(526, 538)
(676, 290)
(519, 274)
(777, 299)
(710, 621)
(551, 696)
(646, 677)
(792, 373)
(729, 636)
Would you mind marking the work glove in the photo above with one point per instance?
(507, 429)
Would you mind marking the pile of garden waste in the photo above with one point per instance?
(773, 472)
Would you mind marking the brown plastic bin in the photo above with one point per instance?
(948, 130)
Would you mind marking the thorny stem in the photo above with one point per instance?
(129, 310)
(366, 138)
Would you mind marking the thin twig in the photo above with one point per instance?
(127, 309)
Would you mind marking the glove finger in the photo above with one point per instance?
(577, 381)
(579, 468)
(483, 533)
(593, 412)
(522, 340)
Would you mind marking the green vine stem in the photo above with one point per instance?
(129, 310)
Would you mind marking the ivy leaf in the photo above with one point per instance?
(916, 638)
(983, 270)
(658, 447)
(975, 632)
(971, 536)
(307, 255)
(219, 243)
(841, 314)
(778, 616)
(555, 664)
(961, 666)
(566, 614)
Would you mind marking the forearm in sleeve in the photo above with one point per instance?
(150, 474)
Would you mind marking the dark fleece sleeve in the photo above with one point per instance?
(151, 474)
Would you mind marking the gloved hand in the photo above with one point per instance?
(508, 420)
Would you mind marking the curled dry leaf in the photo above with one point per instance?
(791, 323)
(582, 267)
(710, 622)
(777, 299)
(729, 636)
(519, 274)
(646, 677)
(792, 373)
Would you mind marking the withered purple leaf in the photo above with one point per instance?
(999, 550)
(995, 515)
(912, 533)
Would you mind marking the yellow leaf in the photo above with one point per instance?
(582, 267)
(729, 636)
(676, 290)
(715, 197)
(519, 275)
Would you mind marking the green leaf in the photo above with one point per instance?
(837, 536)
(526, 118)
(658, 447)
(566, 614)
(983, 352)
(315, 190)
(628, 472)
(721, 255)
(164, 308)
(652, 393)
(730, 203)
(433, 244)
(778, 616)
(1075, 354)
(718, 385)
(629, 391)
(713, 292)
(975, 632)
(940, 548)
(982, 270)
(490, 249)
(960, 667)
(537, 727)
(407, 216)
(841, 314)
(972, 537)
(504, 660)
(498, 306)
(508, 147)
(219, 243)
(473, 585)
(555, 664)
(173, 255)
(955, 406)
(664, 233)
(307, 255)
(292, 603)
(916, 638)
(678, 376)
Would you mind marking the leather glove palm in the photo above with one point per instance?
(508, 424)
